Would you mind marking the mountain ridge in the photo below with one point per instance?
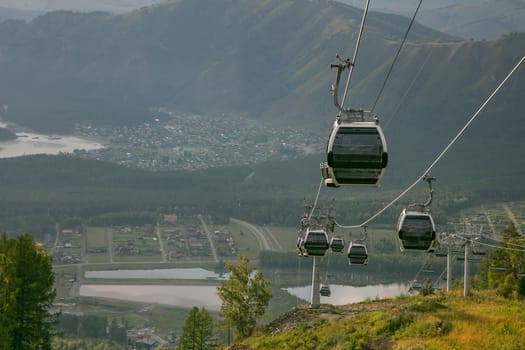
(269, 60)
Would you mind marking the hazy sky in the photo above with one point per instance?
(78, 5)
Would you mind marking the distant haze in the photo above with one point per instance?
(469, 19)
(77, 5)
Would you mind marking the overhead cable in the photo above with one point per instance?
(352, 63)
(445, 150)
(396, 56)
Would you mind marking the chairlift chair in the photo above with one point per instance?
(337, 244)
(316, 242)
(357, 254)
(416, 230)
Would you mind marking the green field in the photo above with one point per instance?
(97, 245)
(97, 237)
(246, 241)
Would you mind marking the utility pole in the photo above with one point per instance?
(466, 271)
(318, 221)
(316, 296)
(449, 269)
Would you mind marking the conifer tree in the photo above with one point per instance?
(198, 331)
(509, 261)
(27, 283)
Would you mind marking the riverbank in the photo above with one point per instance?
(27, 143)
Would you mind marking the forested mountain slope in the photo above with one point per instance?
(469, 19)
(270, 59)
(266, 59)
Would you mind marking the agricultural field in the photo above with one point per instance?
(246, 243)
(185, 241)
(98, 245)
(135, 244)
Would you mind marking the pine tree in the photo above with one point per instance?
(510, 261)
(6, 299)
(27, 281)
(198, 331)
(245, 297)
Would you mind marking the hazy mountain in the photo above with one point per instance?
(267, 59)
(40, 6)
(11, 13)
(467, 19)
(261, 58)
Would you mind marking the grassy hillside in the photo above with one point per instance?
(442, 321)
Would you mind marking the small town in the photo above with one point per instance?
(178, 141)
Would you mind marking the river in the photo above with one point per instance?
(32, 143)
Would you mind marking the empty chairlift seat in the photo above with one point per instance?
(416, 230)
(316, 242)
(356, 154)
(357, 254)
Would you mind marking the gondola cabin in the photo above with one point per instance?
(316, 242)
(356, 154)
(357, 254)
(415, 286)
(416, 230)
(478, 249)
(325, 291)
(337, 245)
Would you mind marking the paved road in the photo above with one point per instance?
(57, 237)
(262, 240)
(212, 244)
(161, 244)
(139, 264)
(109, 233)
(274, 240)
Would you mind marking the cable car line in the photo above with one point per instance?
(396, 57)
(445, 150)
(501, 241)
(356, 150)
(352, 63)
(316, 198)
(492, 245)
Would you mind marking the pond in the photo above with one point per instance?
(342, 294)
(182, 273)
(181, 296)
(187, 296)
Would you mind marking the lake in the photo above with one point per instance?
(187, 296)
(182, 296)
(342, 294)
(183, 273)
(32, 143)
